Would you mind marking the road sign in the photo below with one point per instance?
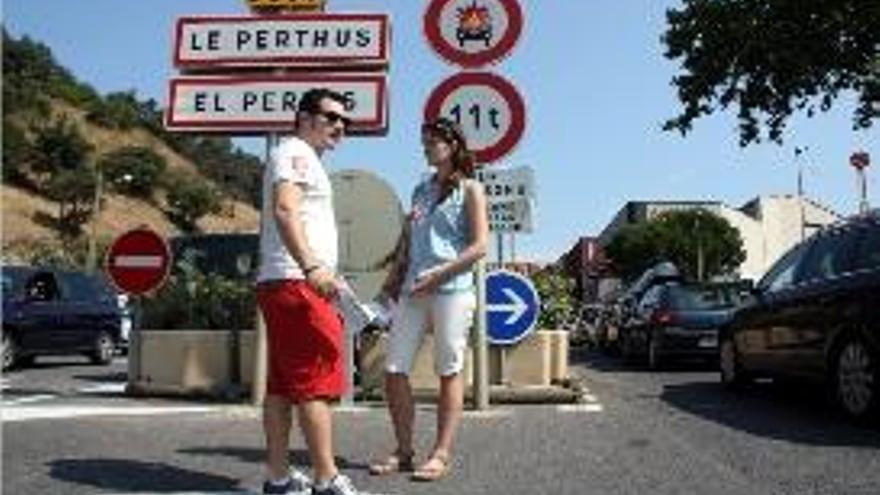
(299, 40)
(860, 160)
(505, 185)
(473, 33)
(512, 307)
(273, 5)
(268, 103)
(138, 261)
(489, 109)
(513, 216)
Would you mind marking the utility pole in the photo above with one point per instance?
(800, 188)
(860, 160)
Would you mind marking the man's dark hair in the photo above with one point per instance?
(311, 99)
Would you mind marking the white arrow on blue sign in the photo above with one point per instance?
(512, 307)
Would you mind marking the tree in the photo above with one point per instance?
(74, 191)
(133, 170)
(190, 199)
(772, 58)
(700, 243)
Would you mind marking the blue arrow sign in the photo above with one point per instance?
(511, 307)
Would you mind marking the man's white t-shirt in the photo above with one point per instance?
(295, 160)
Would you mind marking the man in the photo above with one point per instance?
(296, 286)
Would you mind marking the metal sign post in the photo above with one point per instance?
(481, 346)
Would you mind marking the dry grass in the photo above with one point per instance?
(28, 218)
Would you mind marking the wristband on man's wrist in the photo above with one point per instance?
(309, 269)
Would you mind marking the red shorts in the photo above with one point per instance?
(305, 342)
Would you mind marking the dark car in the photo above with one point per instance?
(49, 311)
(678, 320)
(815, 315)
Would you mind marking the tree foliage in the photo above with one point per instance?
(687, 238)
(60, 146)
(189, 199)
(771, 58)
(557, 293)
(74, 191)
(133, 170)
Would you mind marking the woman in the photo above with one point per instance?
(432, 280)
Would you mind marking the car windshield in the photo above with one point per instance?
(699, 298)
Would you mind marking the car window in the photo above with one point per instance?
(781, 274)
(84, 287)
(42, 287)
(682, 297)
(868, 251)
(829, 256)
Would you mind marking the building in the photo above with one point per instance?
(768, 225)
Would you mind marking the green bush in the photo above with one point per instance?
(558, 302)
(194, 300)
(191, 198)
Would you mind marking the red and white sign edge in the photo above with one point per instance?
(503, 87)
(433, 31)
(375, 55)
(369, 91)
(142, 260)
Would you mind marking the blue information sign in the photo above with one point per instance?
(511, 307)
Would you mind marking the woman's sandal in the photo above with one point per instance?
(435, 468)
(395, 463)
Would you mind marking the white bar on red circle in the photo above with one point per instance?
(304, 40)
(266, 103)
(138, 261)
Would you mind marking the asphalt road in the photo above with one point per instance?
(637, 432)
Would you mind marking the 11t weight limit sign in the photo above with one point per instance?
(489, 109)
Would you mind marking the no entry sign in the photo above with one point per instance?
(489, 109)
(138, 261)
(473, 33)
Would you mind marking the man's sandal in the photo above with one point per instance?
(435, 468)
(395, 463)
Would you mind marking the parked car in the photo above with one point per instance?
(677, 320)
(49, 311)
(815, 315)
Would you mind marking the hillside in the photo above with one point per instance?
(27, 218)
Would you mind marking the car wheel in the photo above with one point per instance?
(856, 381)
(9, 352)
(732, 375)
(104, 348)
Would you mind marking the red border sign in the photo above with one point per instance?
(456, 55)
(505, 89)
(138, 261)
(369, 115)
(280, 45)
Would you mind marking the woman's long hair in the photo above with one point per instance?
(463, 164)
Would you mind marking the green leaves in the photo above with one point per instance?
(770, 59)
(699, 242)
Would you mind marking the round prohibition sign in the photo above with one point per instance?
(488, 108)
(138, 261)
(472, 34)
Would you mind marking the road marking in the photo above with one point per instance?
(577, 408)
(28, 399)
(28, 413)
(104, 388)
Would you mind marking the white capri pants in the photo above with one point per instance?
(450, 315)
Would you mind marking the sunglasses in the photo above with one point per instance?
(334, 117)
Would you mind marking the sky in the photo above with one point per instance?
(596, 87)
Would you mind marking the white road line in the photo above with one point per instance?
(590, 408)
(28, 413)
(103, 388)
(28, 399)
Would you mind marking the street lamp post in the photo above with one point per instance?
(860, 160)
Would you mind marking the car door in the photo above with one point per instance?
(767, 312)
(820, 305)
(41, 312)
(89, 309)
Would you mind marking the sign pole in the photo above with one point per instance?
(481, 348)
(134, 346)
